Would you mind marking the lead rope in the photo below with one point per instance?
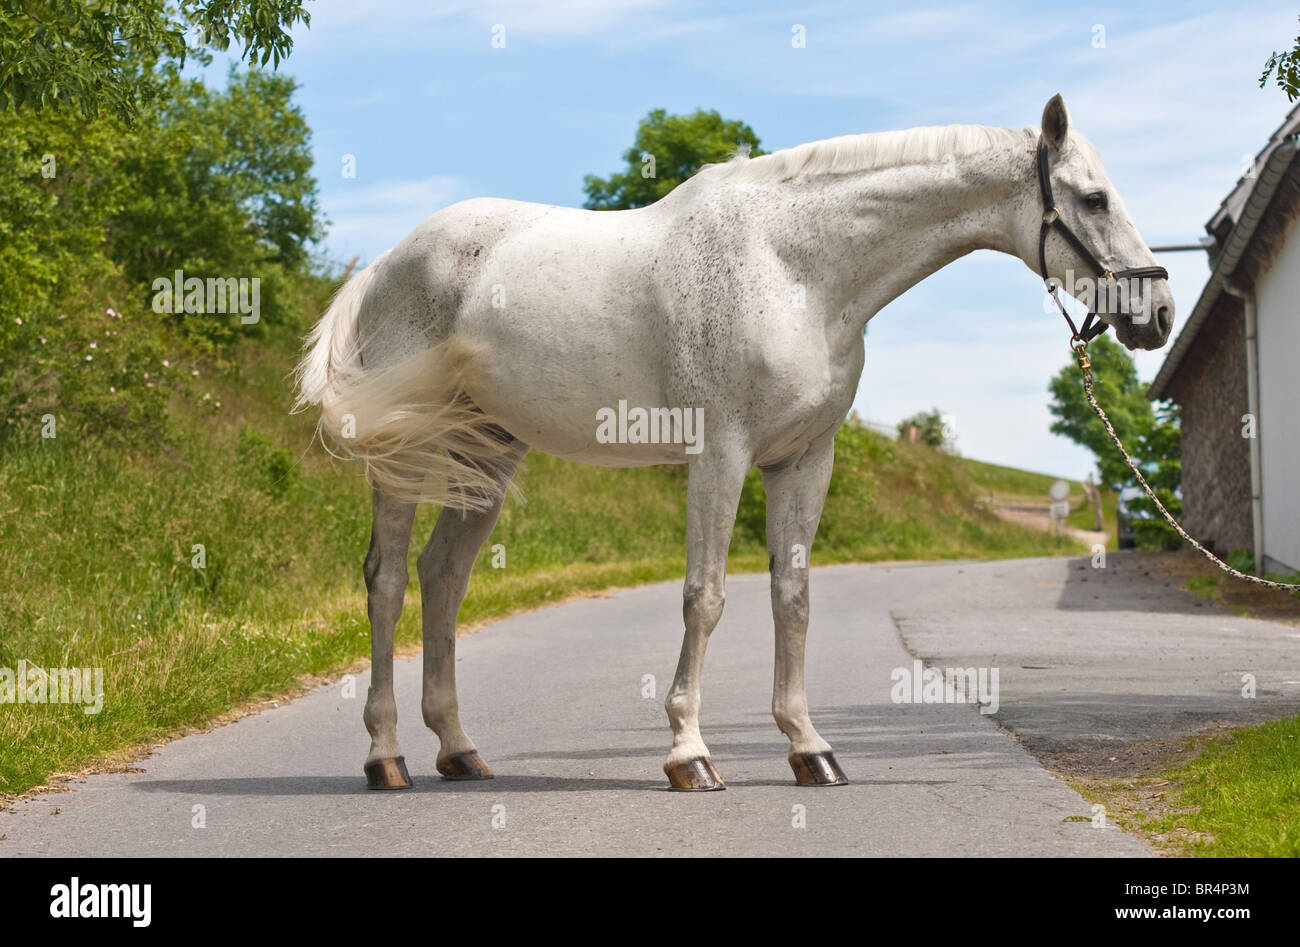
(1085, 368)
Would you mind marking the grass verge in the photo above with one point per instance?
(1230, 793)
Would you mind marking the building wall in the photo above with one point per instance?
(1277, 296)
(1211, 389)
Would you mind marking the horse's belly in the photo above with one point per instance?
(595, 421)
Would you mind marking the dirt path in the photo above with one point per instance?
(1034, 515)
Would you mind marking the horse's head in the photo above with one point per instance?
(1139, 306)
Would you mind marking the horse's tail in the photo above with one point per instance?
(411, 424)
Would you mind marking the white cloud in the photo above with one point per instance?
(412, 24)
(369, 219)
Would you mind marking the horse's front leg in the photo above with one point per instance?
(796, 492)
(712, 495)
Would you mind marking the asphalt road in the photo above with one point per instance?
(554, 700)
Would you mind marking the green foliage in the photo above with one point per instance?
(751, 515)
(1243, 560)
(62, 344)
(269, 467)
(231, 196)
(929, 426)
(1152, 437)
(233, 186)
(1286, 66)
(116, 56)
(677, 146)
(1118, 390)
(1160, 455)
(216, 184)
(1237, 797)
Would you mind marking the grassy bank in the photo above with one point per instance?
(1239, 797)
(98, 547)
(1228, 794)
(1008, 485)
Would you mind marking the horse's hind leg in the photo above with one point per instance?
(444, 569)
(386, 578)
(795, 495)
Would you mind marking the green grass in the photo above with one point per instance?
(1206, 586)
(96, 545)
(1009, 480)
(1239, 797)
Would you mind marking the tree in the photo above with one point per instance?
(1160, 455)
(215, 183)
(232, 188)
(1152, 435)
(1287, 68)
(668, 149)
(116, 55)
(930, 429)
(1118, 390)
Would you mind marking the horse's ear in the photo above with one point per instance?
(1056, 122)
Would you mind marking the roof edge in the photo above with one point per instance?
(1234, 248)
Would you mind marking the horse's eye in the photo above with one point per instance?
(1096, 201)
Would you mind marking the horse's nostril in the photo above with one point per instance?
(1164, 318)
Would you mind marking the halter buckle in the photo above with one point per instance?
(1051, 216)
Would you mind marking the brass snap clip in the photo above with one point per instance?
(1080, 349)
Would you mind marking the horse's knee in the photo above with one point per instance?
(702, 604)
(790, 596)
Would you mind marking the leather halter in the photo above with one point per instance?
(1052, 221)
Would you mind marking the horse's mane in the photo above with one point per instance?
(849, 153)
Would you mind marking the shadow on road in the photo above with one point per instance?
(280, 786)
(1127, 583)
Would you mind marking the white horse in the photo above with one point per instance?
(737, 303)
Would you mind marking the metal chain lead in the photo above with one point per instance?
(1085, 368)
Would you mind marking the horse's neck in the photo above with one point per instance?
(875, 234)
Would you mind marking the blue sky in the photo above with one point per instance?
(434, 114)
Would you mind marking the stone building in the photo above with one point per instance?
(1233, 369)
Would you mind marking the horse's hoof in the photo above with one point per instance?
(388, 773)
(697, 775)
(464, 766)
(817, 769)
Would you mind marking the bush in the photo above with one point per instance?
(929, 426)
(271, 468)
(92, 212)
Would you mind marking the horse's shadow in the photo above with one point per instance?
(508, 784)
